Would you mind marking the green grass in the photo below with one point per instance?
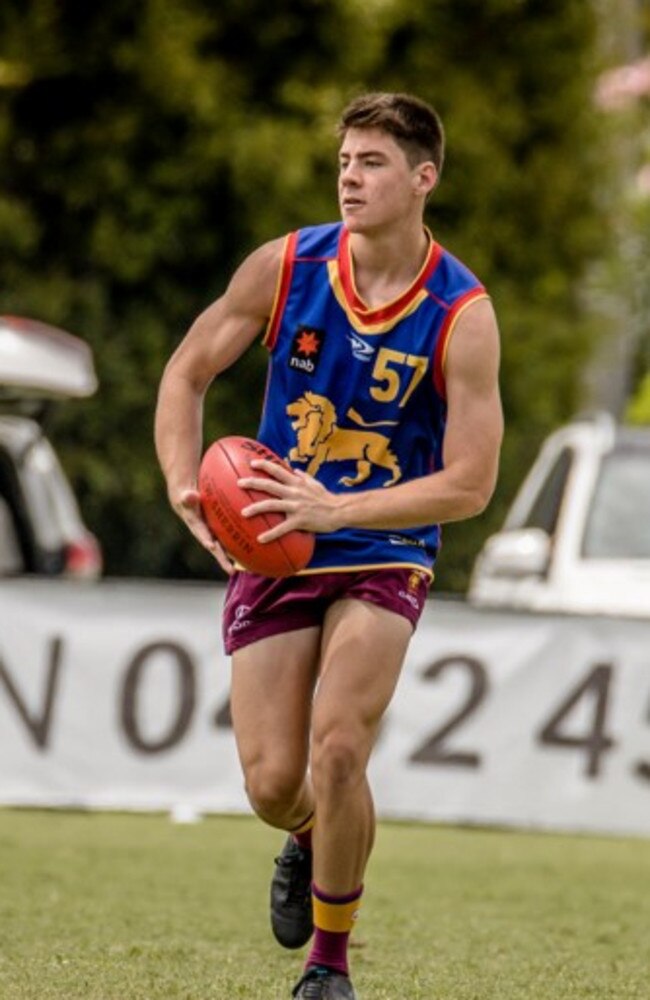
(120, 907)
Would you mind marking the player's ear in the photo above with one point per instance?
(425, 178)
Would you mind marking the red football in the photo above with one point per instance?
(222, 500)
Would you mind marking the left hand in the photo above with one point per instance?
(305, 502)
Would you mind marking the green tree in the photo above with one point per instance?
(144, 149)
(623, 96)
(513, 81)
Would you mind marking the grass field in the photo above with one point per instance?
(121, 907)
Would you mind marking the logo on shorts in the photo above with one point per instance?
(306, 348)
(240, 620)
(412, 594)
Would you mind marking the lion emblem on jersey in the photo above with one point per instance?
(319, 439)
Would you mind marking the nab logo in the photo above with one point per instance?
(306, 348)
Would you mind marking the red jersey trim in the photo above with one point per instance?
(444, 336)
(391, 310)
(281, 291)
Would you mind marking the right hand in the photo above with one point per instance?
(188, 508)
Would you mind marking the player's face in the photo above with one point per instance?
(377, 186)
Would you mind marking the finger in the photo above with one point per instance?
(301, 474)
(283, 528)
(201, 532)
(223, 558)
(276, 489)
(304, 479)
(203, 535)
(190, 510)
(272, 506)
(279, 472)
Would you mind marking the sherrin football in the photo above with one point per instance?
(225, 461)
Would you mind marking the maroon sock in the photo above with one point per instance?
(334, 918)
(303, 839)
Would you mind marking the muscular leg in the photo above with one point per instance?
(362, 651)
(271, 695)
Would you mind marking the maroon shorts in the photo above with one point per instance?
(257, 606)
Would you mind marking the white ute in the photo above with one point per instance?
(577, 537)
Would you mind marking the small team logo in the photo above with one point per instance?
(360, 348)
(306, 349)
(240, 620)
(413, 593)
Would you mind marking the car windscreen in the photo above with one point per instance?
(618, 526)
(545, 509)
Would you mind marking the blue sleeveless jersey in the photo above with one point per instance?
(356, 396)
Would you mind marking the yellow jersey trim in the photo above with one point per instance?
(452, 326)
(425, 570)
(356, 321)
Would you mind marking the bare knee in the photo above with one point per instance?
(273, 791)
(339, 758)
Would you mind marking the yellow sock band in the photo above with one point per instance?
(307, 825)
(338, 918)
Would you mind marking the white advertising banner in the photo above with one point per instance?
(115, 695)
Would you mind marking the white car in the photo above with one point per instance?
(41, 528)
(577, 537)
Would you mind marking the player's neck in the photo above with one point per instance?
(386, 264)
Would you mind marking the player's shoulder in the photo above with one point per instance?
(260, 272)
(262, 265)
(452, 278)
(318, 241)
(267, 255)
(253, 284)
(322, 238)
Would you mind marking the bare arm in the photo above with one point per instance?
(461, 489)
(214, 342)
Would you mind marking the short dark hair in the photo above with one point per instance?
(413, 123)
